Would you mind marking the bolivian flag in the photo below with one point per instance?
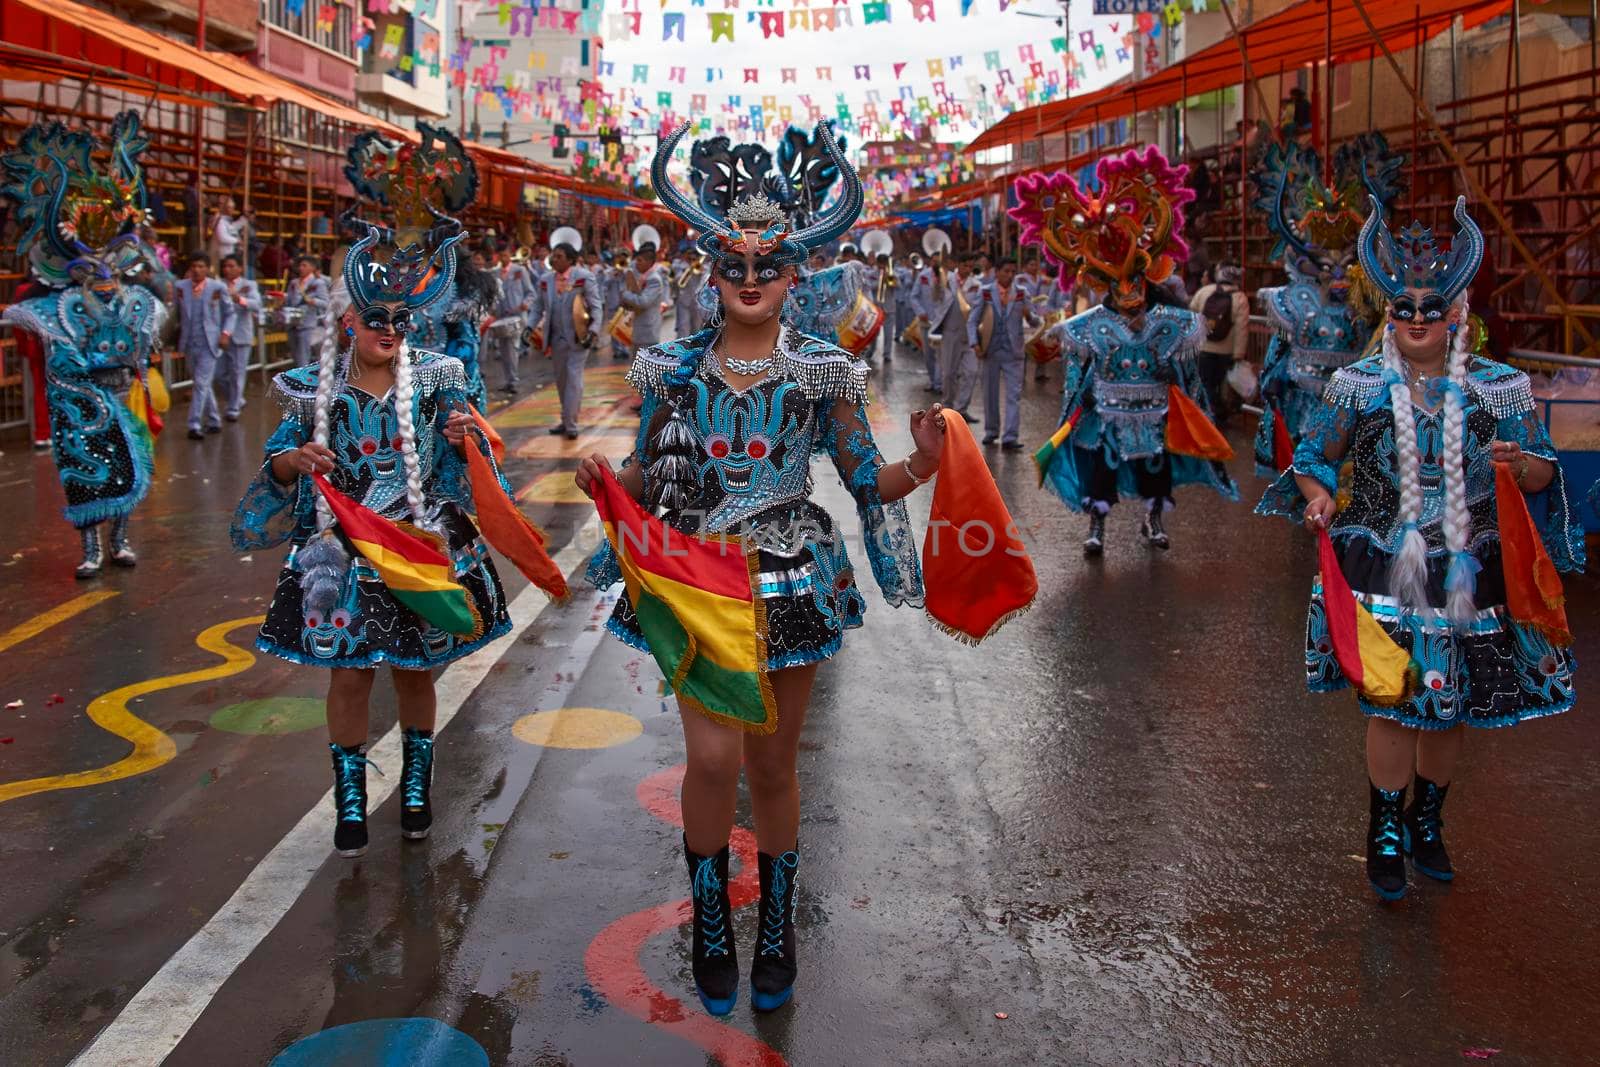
(1379, 669)
(1047, 451)
(413, 565)
(696, 604)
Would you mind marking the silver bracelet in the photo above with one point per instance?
(913, 474)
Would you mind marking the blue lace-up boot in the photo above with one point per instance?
(350, 799)
(715, 962)
(1424, 831)
(416, 783)
(774, 968)
(1386, 863)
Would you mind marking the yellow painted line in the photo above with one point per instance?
(151, 747)
(554, 487)
(46, 619)
(577, 728)
(545, 446)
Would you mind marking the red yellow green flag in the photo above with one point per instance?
(697, 607)
(413, 565)
(1047, 451)
(1379, 669)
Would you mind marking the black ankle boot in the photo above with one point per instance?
(1151, 528)
(94, 554)
(416, 783)
(773, 970)
(715, 963)
(350, 800)
(1424, 831)
(1386, 863)
(1095, 543)
(122, 553)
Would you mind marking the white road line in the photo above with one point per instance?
(150, 1026)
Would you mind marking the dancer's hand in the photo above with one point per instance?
(456, 427)
(927, 430)
(1320, 510)
(309, 458)
(589, 472)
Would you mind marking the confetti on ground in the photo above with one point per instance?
(1001, 1015)
(6, 740)
(55, 698)
(14, 705)
(1479, 1053)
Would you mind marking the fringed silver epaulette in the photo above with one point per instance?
(1355, 386)
(432, 372)
(295, 393)
(26, 316)
(1504, 390)
(651, 365)
(1191, 330)
(672, 480)
(822, 370)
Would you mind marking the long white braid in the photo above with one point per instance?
(1408, 575)
(328, 384)
(1460, 584)
(403, 393)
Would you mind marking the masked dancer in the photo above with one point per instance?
(1398, 463)
(1129, 360)
(731, 418)
(97, 316)
(1319, 322)
(384, 424)
(436, 172)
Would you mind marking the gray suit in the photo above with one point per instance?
(202, 317)
(1004, 358)
(518, 298)
(560, 336)
(685, 302)
(241, 330)
(646, 305)
(958, 363)
(307, 337)
(923, 304)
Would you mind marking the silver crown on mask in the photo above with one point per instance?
(758, 210)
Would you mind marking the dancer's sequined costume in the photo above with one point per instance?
(100, 320)
(1318, 326)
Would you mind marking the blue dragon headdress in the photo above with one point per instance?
(418, 185)
(79, 222)
(1316, 224)
(742, 207)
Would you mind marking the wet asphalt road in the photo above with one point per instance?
(1121, 822)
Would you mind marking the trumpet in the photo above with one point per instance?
(886, 282)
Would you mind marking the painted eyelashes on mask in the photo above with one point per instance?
(750, 280)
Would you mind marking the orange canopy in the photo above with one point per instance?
(88, 35)
(1295, 36)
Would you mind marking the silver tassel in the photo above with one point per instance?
(324, 565)
(673, 475)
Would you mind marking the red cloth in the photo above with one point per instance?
(1190, 432)
(1533, 587)
(975, 568)
(507, 528)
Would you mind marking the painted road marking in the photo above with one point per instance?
(151, 747)
(46, 619)
(616, 444)
(150, 1026)
(272, 715)
(577, 728)
(552, 487)
(612, 960)
(385, 1043)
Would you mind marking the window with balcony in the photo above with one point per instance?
(326, 25)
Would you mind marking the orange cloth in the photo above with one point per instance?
(1190, 432)
(1533, 587)
(508, 529)
(496, 444)
(975, 567)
